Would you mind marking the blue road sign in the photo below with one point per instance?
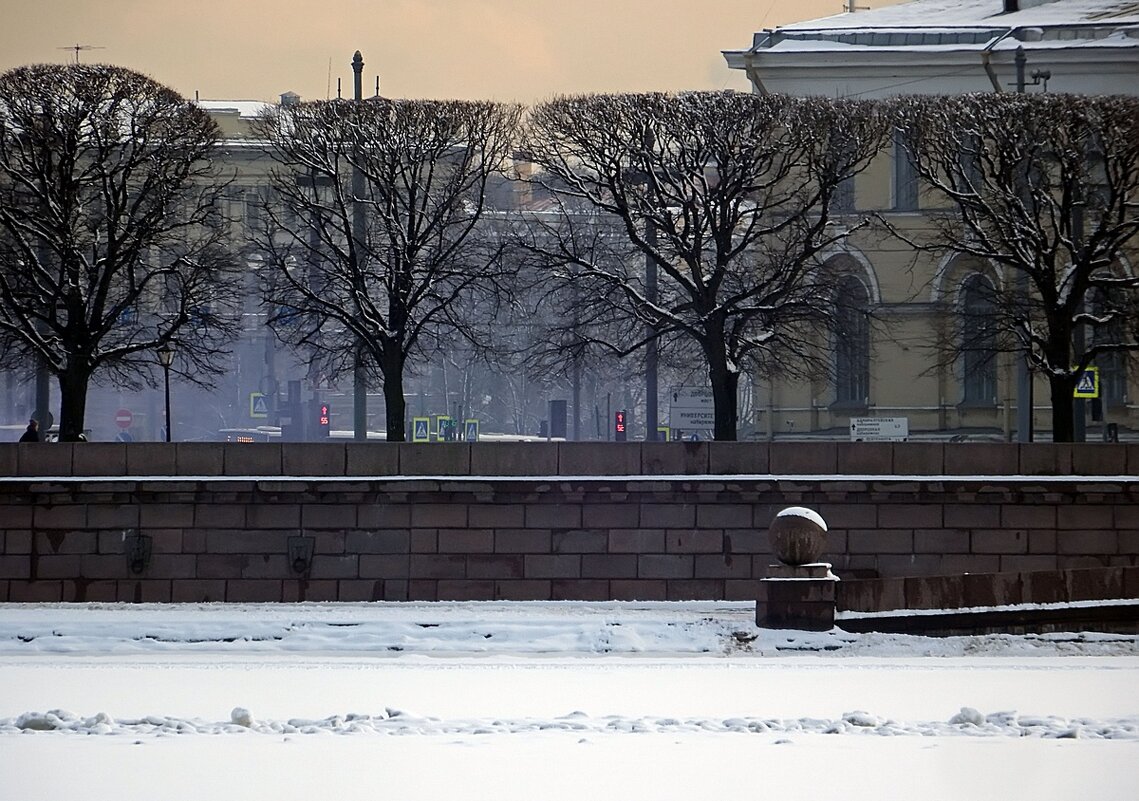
(420, 429)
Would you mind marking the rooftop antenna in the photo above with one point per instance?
(77, 47)
(337, 88)
(328, 86)
(377, 86)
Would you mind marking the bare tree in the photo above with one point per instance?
(111, 236)
(1045, 189)
(385, 269)
(731, 197)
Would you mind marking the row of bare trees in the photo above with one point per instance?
(698, 223)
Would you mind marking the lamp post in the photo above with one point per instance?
(166, 358)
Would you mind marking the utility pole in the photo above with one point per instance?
(1024, 399)
(43, 376)
(359, 382)
(652, 352)
(1079, 421)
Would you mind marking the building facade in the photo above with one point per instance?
(885, 367)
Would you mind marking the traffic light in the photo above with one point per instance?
(323, 419)
(620, 434)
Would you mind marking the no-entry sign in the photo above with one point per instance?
(123, 418)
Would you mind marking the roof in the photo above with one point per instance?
(980, 13)
(964, 24)
(948, 47)
(246, 109)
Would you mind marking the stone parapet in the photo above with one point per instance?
(426, 535)
(368, 459)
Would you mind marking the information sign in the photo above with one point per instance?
(879, 429)
(691, 408)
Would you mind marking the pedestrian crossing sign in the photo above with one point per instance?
(1087, 385)
(420, 429)
(471, 429)
(258, 405)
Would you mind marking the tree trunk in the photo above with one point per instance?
(395, 406)
(1063, 413)
(1061, 385)
(72, 405)
(725, 383)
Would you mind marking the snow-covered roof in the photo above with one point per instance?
(939, 14)
(949, 46)
(246, 109)
(965, 24)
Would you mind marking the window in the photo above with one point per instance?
(905, 176)
(838, 169)
(978, 341)
(253, 204)
(852, 342)
(1113, 364)
(971, 179)
(843, 201)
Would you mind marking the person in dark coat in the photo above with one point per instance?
(33, 432)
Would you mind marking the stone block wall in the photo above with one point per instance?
(975, 590)
(573, 521)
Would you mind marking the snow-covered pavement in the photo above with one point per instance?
(557, 700)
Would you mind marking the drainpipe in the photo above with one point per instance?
(756, 82)
(987, 53)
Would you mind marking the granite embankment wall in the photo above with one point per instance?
(587, 521)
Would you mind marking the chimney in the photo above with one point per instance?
(1012, 6)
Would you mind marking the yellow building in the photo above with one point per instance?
(886, 367)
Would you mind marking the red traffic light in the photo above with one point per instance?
(619, 432)
(324, 418)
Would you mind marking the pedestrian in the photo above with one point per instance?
(33, 432)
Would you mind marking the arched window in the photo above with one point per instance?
(978, 341)
(852, 342)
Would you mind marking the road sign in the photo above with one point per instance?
(444, 428)
(258, 405)
(879, 429)
(421, 429)
(124, 418)
(1087, 385)
(692, 408)
(471, 429)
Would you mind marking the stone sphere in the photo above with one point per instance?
(798, 536)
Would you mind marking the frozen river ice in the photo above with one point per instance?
(552, 701)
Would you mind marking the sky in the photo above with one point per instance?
(507, 50)
(548, 700)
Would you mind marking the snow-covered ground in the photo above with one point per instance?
(551, 701)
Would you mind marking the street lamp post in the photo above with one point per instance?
(166, 358)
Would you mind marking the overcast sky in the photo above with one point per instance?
(522, 50)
